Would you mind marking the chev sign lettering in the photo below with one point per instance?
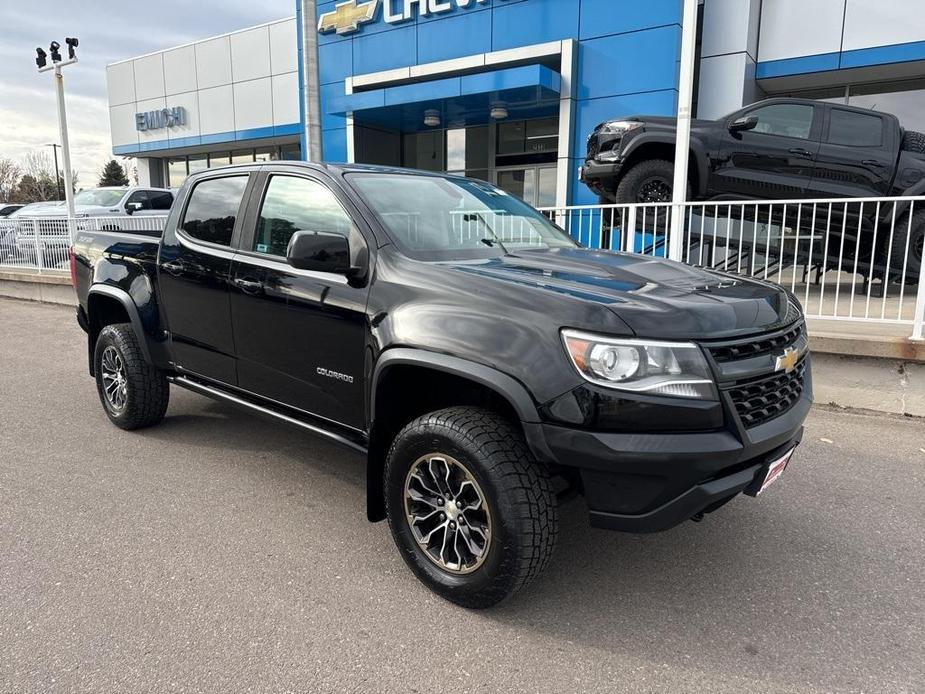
(162, 118)
(346, 17)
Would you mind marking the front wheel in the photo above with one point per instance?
(908, 246)
(134, 393)
(472, 513)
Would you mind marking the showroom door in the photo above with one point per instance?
(535, 185)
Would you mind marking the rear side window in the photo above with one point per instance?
(212, 209)
(294, 204)
(160, 201)
(855, 129)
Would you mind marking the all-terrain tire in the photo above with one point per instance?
(914, 142)
(907, 246)
(146, 393)
(650, 172)
(518, 497)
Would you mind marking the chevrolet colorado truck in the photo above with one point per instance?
(484, 364)
(776, 149)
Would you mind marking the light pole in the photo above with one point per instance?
(54, 147)
(682, 145)
(57, 63)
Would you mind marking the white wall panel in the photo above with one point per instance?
(883, 22)
(120, 83)
(180, 70)
(283, 47)
(216, 110)
(122, 125)
(190, 102)
(213, 62)
(722, 80)
(250, 54)
(149, 76)
(730, 26)
(793, 28)
(151, 105)
(286, 98)
(253, 104)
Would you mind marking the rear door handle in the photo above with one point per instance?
(174, 267)
(800, 152)
(873, 162)
(248, 285)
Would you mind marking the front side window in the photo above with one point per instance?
(445, 218)
(140, 196)
(294, 204)
(213, 208)
(855, 129)
(785, 120)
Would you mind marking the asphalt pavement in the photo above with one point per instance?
(224, 553)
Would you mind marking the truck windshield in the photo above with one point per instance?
(444, 218)
(100, 197)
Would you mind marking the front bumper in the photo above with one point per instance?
(652, 482)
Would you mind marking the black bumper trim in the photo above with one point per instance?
(680, 509)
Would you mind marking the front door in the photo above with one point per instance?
(535, 185)
(299, 335)
(194, 270)
(775, 160)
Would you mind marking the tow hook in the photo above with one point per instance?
(697, 517)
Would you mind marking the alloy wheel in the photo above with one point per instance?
(115, 384)
(655, 190)
(447, 513)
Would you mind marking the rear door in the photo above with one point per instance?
(775, 160)
(857, 155)
(300, 336)
(194, 273)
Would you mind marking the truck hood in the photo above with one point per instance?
(654, 297)
(667, 121)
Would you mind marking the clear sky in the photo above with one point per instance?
(108, 31)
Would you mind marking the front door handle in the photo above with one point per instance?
(873, 162)
(800, 152)
(248, 285)
(174, 267)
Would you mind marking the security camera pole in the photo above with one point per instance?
(56, 64)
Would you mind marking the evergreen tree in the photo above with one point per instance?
(113, 174)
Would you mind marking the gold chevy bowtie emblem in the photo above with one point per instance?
(346, 17)
(787, 361)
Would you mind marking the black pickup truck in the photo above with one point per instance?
(778, 149)
(483, 363)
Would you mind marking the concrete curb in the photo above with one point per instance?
(51, 287)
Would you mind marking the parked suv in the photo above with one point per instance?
(774, 149)
(483, 362)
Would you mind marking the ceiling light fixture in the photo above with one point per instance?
(432, 118)
(499, 112)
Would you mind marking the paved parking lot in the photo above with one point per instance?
(224, 553)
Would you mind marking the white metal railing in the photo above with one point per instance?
(41, 243)
(856, 259)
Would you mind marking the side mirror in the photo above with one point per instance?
(744, 123)
(132, 207)
(320, 251)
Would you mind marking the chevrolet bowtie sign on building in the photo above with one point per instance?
(346, 17)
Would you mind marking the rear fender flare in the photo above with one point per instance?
(131, 309)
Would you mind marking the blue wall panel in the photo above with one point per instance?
(335, 61)
(533, 21)
(599, 18)
(629, 63)
(385, 50)
(334, 145)
(455, 36)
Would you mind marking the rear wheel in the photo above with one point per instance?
(472, 513)
(134, 393)
(914, 142)
(907, 247)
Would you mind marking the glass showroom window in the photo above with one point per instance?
(176, 172)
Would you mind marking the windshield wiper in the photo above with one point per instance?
(490, 242)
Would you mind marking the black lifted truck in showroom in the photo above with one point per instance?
(778, 149)
(483, 362)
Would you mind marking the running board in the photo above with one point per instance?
(224, 396)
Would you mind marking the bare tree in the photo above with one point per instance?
(39, 182)
(9, 178)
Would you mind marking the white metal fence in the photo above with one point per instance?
(41, 243)
(856, 259)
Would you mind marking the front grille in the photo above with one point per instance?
(759, 400)
(593, 146)
(758, 346)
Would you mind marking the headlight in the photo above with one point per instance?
(618, 127)
(676, 369)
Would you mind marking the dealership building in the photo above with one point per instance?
(504, 90)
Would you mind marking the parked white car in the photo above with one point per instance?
(114, 202)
